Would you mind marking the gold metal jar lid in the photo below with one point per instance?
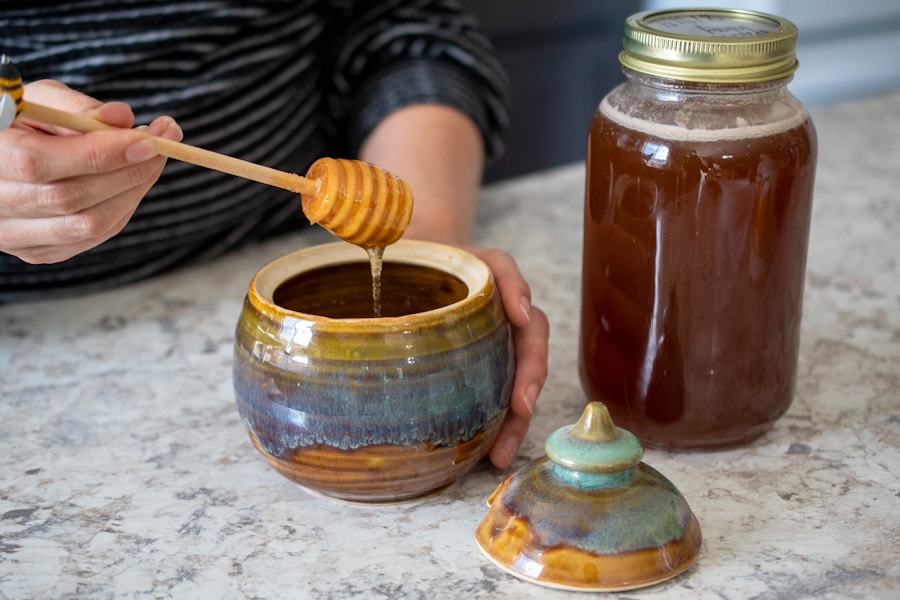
(710, 45)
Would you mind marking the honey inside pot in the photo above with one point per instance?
(338, 292)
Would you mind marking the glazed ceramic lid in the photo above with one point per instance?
(590, 515)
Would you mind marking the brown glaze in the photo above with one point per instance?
(382, 472)
(514, 546)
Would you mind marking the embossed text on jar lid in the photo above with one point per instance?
(710, 45)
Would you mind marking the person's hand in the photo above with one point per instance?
(62, 193)
(531, 332)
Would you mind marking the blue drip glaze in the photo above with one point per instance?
(646, 512)
(286, 410)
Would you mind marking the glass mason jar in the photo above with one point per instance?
(700, 172)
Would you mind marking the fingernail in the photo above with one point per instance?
(508, 449)
(141, 151)
(525, 308)
(530, 397)
(173, 127)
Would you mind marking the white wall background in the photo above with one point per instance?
(846, 49)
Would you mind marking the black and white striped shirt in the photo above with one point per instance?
(280, 83)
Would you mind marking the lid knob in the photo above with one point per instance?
(594, 444)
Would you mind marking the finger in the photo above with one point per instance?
(56, 253)
(532, 350)
(51, 240)
(32, 157)
(118, 114)
(75, 194)
(508, 441)
(514, 290)
(166, 127)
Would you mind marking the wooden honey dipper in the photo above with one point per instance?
(354, 200)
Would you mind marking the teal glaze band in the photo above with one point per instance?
(589, 456)
(592, 481)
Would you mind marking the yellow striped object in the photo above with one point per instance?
(11, 82)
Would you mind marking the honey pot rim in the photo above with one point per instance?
(456, 262)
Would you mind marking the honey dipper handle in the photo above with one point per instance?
(236, 166)
(179, 151)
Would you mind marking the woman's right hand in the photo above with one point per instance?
(62, 193)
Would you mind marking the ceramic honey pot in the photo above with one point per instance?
(373, 409)
(590, 516)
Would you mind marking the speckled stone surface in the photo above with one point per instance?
(125, 471)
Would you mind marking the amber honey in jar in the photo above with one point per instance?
(700, 171)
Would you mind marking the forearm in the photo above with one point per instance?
(439, 152)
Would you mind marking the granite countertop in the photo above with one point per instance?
(126, 472)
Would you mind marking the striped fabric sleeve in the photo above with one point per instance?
(275, 82)
(392, 55)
